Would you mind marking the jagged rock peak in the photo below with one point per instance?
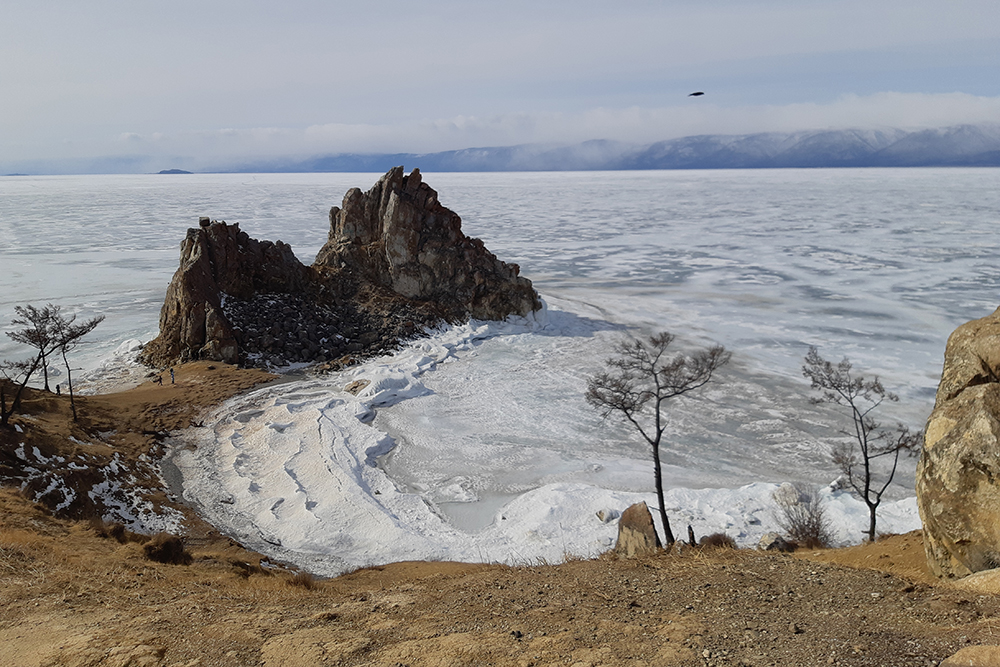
(217, 261)
(396, 259)
(398, 235)
(958, 476)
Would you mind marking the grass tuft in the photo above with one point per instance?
(304, 580)
(167, 548)
(718, 541)
(116, 531)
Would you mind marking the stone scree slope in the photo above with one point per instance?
(395, 260)
(958, 476)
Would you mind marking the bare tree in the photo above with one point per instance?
(868, 443)
(67, 336)
(48, 332)
(17, 373)
(37, 332)
(802, 516)
(641, 374)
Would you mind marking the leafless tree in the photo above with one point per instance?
(67, 335)
(802, 516)
(641, 374)
(48, 332)
(37, 332)
(868, 442)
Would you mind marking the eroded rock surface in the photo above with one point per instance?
(398, 235)
(636, 532)
(958, 477)
(218, 261)
(396, 260)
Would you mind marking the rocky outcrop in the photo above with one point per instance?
(636, 532)
(398, 235)
(218, 261)
(395, 260)
(958, 476)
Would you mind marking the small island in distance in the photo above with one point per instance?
(174, 171)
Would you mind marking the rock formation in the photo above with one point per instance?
(218, 261)
(636, 533)
(395, 259)
(958, 477)
(397, 235)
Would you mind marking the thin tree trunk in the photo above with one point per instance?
(69, 383)
(659, 497)
(45, 372)
(871, 522)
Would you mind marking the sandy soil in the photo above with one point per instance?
(69, 596)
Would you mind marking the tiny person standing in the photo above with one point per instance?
(171, 376)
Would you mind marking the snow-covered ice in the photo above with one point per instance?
(310, 473)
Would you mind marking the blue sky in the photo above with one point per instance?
(215, 80)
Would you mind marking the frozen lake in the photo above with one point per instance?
(485, 449)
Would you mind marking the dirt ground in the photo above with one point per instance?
(70, 597)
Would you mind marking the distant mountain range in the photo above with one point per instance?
(962, 145)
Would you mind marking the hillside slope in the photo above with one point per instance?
(70, 594)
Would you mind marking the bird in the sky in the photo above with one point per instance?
(696, 94)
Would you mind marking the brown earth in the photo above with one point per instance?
(71, 597)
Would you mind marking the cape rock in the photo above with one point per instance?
(395, 259)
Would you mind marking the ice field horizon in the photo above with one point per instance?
(474, 442)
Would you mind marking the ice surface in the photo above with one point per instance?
(475, 443)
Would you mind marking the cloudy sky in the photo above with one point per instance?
(208, 81)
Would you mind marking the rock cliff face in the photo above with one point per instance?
(395, 259)
(397, 235)
(218, 261)
(958, 477)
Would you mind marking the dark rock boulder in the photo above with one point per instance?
(396, 260)
(958, 476)
(775, 542)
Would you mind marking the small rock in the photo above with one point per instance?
(356, 386)
(774, 542)
(607, 515)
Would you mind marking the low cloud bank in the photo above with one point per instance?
(261, 149)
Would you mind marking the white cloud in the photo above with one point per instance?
(633, 125)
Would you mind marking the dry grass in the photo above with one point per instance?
(14, 559)
(116, 531)
(167, 548)
(228, 610)
(717, 541)
(304, 580)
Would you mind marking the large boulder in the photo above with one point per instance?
(636, 532)
(395, 259)
(958, 476)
